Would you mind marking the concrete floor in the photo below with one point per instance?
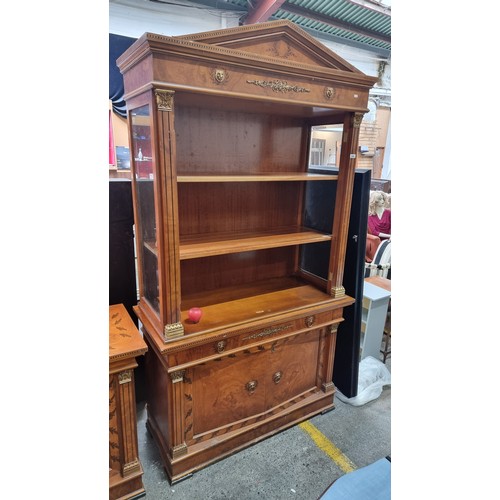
(287, 465)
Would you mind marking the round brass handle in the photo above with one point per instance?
(220, 346)
(251, 386)
(309, 321)
(277, 377)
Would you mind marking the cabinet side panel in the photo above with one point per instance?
(157, 392)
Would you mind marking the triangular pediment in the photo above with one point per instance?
(282, 40)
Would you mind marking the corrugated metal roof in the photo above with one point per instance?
(364, 24)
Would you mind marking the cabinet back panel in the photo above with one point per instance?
(228, 141)
(211, 273)
(204, 208)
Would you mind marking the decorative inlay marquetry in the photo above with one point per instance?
(251, 420)
(278, 86)
(164, 100)
(114, 455)
(117, 319)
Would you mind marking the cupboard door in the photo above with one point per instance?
(227, 391)
(241, 386)
(292, 368)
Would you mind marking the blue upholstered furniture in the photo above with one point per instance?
(372, 482)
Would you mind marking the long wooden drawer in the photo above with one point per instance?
(228, 344)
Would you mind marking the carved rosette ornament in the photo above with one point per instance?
(164, 99)
(278, 86)
(219, 76)
(330, 93)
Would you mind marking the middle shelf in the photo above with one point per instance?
(206, 245)
(210, 244)
(256, 177)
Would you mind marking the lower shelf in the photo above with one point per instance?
(230, 307)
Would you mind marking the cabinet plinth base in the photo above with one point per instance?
(202, 455)
(126, 488)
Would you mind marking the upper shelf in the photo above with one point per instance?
(263, 177)
(207, 245)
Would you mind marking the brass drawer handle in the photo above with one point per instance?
(251, 386)
(309, 321)
(277, 377)
(220, 346)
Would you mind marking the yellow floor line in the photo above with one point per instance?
(323, 443)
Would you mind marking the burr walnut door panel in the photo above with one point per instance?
(292, 369)
(252, 384)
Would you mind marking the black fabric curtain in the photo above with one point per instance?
(118, 44)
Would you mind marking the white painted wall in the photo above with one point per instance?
(134, 17)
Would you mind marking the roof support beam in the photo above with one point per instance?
(336, 23)
(262, 11)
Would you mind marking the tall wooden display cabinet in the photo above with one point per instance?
(220, 130)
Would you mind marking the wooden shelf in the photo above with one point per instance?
(239, 305)
(206, 245)
(267, 177)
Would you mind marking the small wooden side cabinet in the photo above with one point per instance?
(125, 344)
